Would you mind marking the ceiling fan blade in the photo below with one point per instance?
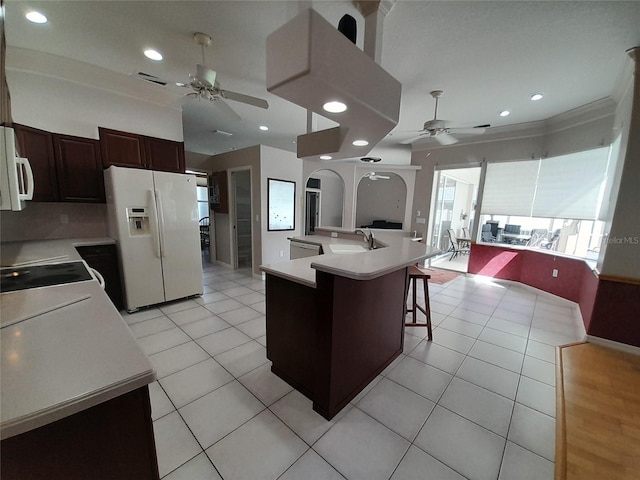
(226, 110)
(411, 140)
(466, 131)
(205, 76)
(239, 97)
(445, 139)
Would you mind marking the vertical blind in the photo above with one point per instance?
(569, 186)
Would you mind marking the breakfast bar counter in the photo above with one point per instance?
(335, 321)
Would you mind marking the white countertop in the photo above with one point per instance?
(395, 251)
(46, 251)
(67, 360)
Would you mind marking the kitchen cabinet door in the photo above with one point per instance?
(164, 155)
(218, 192)
(79, 168)
(104, 258)
(37, 146)
(122, 149)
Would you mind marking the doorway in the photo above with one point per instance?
(312, 211)
(241, 202)
(453, 208)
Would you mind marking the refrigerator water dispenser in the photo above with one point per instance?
(138, 218)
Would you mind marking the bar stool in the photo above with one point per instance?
(416, 274)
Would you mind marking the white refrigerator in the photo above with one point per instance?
(153, 216)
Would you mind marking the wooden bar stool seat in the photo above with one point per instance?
(416, 274)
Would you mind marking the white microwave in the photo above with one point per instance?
(16, 176)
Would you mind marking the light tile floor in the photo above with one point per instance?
(476, 403)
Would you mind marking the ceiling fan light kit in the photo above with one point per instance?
(441, 130)
(205, 85)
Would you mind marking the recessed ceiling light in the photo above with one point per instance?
(264, 128)
(153, 54)
(334, 107)
(325, 157)
(36, 17)
(360, 143)
(504, 113)
(536, 96)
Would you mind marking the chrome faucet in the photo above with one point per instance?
(367, 238)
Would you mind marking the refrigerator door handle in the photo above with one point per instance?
(163, 244)
(153, 214)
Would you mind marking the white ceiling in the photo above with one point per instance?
(486, 56)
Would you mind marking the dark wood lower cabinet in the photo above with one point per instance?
(110, 441)
(104, 258)
(331, 341)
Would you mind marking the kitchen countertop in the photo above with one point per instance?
(46, 251)
(67, 360)
(394, 251)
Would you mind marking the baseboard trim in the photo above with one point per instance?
(605, 342)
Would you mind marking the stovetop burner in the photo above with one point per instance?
(33, 276)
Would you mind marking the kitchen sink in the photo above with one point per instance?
(347, 248)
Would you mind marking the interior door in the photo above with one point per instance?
(241, 184)
(180, 234)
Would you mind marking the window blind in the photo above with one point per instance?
(509, 188)
(571, 186)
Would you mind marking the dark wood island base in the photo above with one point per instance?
(331, 341)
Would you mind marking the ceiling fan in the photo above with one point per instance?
(441, 130)
(204, 83)
(375, 176)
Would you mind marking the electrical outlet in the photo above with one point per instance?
(421, 220)
(281, 253)
(554, 273)
(334, 234)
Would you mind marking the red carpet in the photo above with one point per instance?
(440, 276)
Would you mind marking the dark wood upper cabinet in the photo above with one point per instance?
(164, 155)
(37, 146)
(122, 149)
(79, 168)
(125, 149)
(218, 192)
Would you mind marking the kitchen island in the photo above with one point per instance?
(75, 401)
(335, 321)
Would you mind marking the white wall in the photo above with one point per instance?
(57, 102)
(281, 165)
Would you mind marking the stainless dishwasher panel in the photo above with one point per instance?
(301, 250)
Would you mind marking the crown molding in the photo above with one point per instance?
(603, 108)
(591, 112)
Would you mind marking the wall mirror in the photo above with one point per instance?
(324, 200)
(381, 200)
(281, 204)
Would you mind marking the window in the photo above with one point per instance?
(555, 203)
